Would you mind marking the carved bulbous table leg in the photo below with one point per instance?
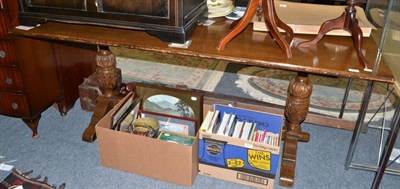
(107, 73)
(296, 110)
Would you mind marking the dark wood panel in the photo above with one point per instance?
(12, 12)
(8, 17)
(157, 8)
(3, 25)
(75, 61)
(70, 4)
(38, 65)
(189, 5)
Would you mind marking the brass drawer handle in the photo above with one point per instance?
(14, 105)
(2, 54)
(9, 80)
(1, 5)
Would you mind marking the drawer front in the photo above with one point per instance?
(14, 104)
(10, 79)
(7, 57)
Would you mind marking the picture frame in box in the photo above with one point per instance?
(125, 114)
(176, 138)
(181, 104)
(181, 125)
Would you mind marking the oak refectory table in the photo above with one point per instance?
(332, 56)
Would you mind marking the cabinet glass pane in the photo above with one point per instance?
(385, 15)
(71, 4)
(157, 8)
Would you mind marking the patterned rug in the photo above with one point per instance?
(153, 67)
(271, 85)
(18, 180)
(268, 85)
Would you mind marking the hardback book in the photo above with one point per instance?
(238, 129)
(229, 128)
(271, 139)
(224, 123)
(213, 125)
(207, 121)
(306, 18)
(247, 132)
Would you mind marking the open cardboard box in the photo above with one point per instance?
(239, 160)
(175, 163)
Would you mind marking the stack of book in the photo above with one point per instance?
(240, 145)
(227, 124)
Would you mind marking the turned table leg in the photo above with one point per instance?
(33, 125)
(103, 106)
(107, 73)
(296, 110)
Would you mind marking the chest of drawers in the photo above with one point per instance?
(31, 76)
(13, 102)
(20, 87)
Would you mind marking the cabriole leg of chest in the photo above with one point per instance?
(33, 125)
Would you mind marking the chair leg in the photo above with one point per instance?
(348, 22)
(271, 20)
(357, 37)
(337, 23)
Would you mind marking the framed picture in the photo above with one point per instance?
(176, 103)
(176, 138)
(124, 116)
(181, 125)
(119, 113)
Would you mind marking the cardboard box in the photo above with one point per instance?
(238, 160)
(145, 156)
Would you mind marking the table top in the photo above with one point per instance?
(332, 56)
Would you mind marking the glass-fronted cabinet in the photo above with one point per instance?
(385, 15)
